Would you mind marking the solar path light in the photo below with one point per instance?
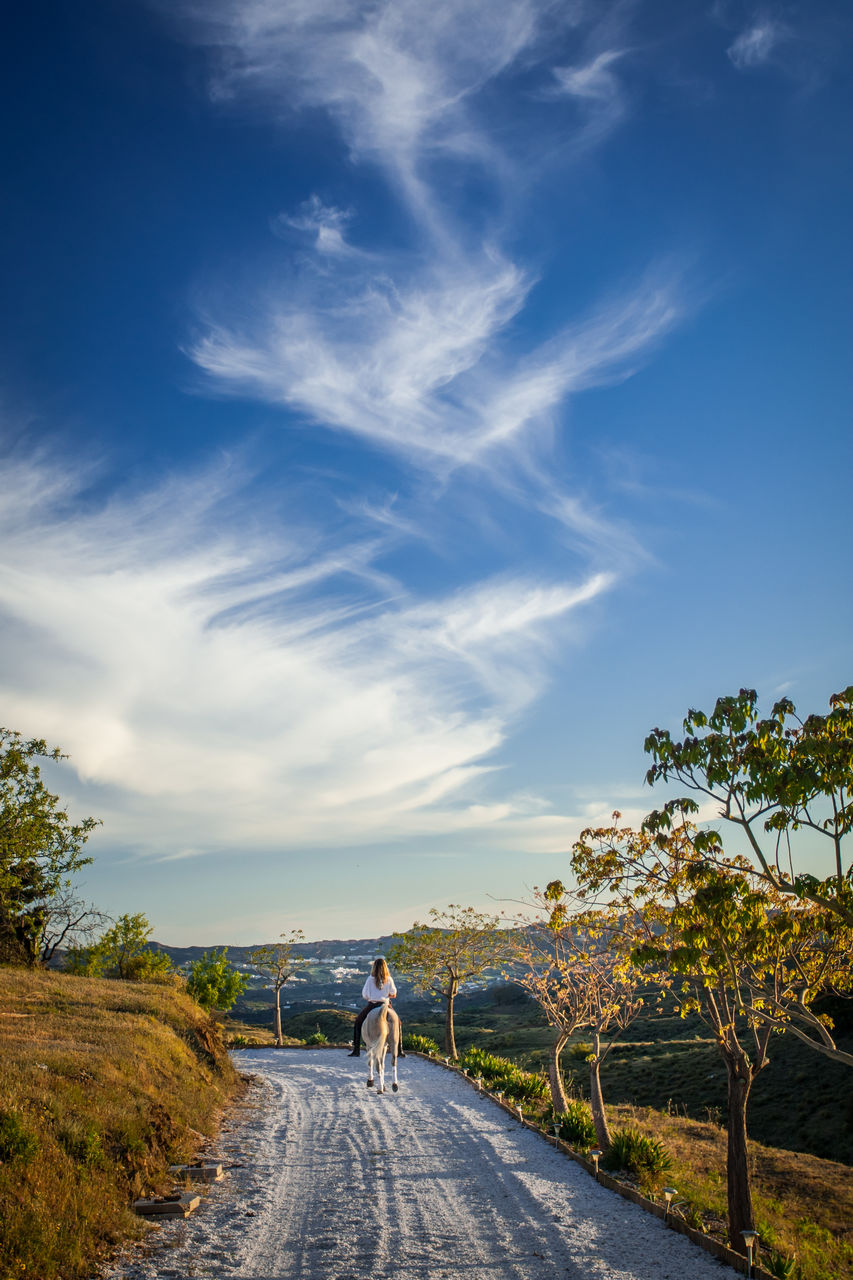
(596, 1154)
(750, 1239)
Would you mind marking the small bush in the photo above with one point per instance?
(82, 1142)
(580, 1051)
(16, 1141)
(317, 1038)
(779, 1266)
(500, 1073)
(421, 1044)
(576, 1125)
(645, 1158)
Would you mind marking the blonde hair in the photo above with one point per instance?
(380, 971)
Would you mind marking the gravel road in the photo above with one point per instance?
(329, 1181)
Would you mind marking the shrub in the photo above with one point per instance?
(645, 1158)
(214, 982)
(16, 1141)
(421, 1044)
(500, 1073)
(317, 1038)
(82, 1142)
(779, 1266)
(581, 1050)
(576, 1124)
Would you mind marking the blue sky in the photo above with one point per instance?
(405, 408)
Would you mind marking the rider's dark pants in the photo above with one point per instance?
(356, 1031)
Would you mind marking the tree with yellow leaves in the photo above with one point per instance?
(576, 965)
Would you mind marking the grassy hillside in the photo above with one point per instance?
(103, 1084)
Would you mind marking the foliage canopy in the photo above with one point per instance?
(771, 778)
(40, 850)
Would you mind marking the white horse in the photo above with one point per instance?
(381, 1032)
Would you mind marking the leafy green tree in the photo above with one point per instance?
(123, 951)
(40, 847)
(214, 982)
(459, 944)
(576, 965)
(280, 962)
(771, 778)
(84, 961)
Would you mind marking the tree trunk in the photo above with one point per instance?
(555, 1075)
(737, 1162)
(449, 1038)
(596, 1097)
(278, 1037)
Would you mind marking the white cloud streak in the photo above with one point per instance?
(416, 353)
(324, 222)
(757, 45)
(256, 692)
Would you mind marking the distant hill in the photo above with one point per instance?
(364, 949)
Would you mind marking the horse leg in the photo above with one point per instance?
(381, 1061)
(395, 1036)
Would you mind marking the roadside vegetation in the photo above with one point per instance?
(103, 1084)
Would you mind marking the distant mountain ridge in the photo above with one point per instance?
(326, 949)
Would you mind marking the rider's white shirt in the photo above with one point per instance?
(372, 991)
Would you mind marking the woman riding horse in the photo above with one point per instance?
(378, 988)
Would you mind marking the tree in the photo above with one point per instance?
(709, 934)
(576, 966)
(771, 778)
(459, 944)
(806, 954)
(67, 923)
(214, 983)
(123, 951)
(280, 962)
(40, 847)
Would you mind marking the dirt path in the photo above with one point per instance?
(329, 1181)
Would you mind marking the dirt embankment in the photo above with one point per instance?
(102, 1085)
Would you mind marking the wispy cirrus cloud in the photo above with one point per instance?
(758, 43)
(324, 223)
(396, 78)
(416, 352)
(596, 89)
(421, 370)
(266, 691)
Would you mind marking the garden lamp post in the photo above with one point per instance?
(668, 1192)
(596, 1154)
(749, 1238)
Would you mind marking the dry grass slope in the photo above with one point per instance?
(803, 1204)
(102, 1085)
